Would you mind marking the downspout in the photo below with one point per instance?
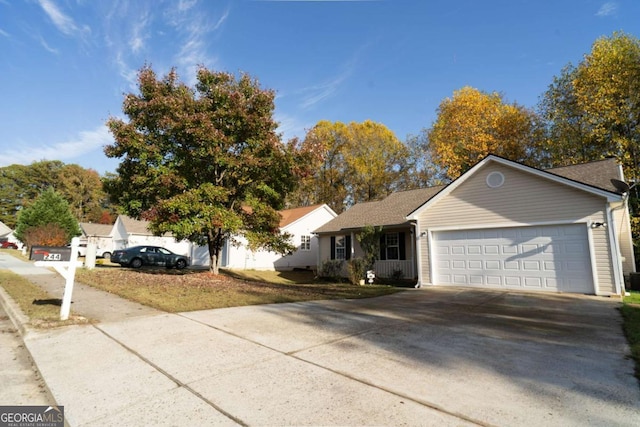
(418, 260)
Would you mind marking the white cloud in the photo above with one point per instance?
(317, 93)
(48, 48)
(63, 23)
(194, 29)
(608, 9)
(290, 127)
(86, 142)
(139, 34)
(4, 33)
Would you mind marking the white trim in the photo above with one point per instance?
(592, 256)
(616, 257)
(418, 258)
(611, 197)
(508, 225)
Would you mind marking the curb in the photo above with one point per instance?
(18, 318)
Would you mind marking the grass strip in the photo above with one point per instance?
(631, 316)
(41, 309)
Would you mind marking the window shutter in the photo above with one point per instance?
(383, 247)
(347, 249)
(333, 247)
(403, 250)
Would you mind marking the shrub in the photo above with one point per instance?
(331, 269)
(357, 268)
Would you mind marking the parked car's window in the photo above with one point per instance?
(164, 251)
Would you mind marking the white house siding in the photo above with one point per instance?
(523, 199)
(240, 257)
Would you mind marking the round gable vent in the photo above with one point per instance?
(495, 179)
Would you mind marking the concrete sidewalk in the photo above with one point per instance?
(421, 357)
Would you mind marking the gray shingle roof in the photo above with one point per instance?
(387, 212)
(596, 174)
(91, 229)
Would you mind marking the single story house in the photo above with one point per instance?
(501, 225)
(6, 234)
(101, 235)
(300, 223)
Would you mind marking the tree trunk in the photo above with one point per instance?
(214, 242)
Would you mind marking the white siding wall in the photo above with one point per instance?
(524, 199)
(240, 257)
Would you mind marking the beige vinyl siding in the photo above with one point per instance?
(523, 199)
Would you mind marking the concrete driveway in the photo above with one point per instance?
(432, 356)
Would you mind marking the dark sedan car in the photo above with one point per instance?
(138, 256)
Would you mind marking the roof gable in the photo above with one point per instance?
(91, 229)
(558, 175)
(289, 216)
(4, 230)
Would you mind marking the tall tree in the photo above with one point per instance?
(473, 124)
(20, 185)
(592, 110)
(50, 211)
(607, 88)
(203, 163)
(567, 140)
(351, 163)
(376, 160)
(82, 188)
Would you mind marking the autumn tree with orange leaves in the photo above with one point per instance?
(472, 124)
(203, 163)
(351, 163)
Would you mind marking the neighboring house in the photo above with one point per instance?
(100, 234)
(6, 234)
(501, 225)
(128, 232)
(300, 223)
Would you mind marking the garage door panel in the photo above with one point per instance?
(531, 265)
(545, 258)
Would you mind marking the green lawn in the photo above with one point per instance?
(631, 315)
(40, 307)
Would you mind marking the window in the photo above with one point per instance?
(305, 243)
(393, 246)
(340, 247)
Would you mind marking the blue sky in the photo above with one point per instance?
(65, 64)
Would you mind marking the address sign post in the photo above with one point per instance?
(64, 260)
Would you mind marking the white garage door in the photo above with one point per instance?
(547, 258)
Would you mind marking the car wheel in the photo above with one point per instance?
(106, 255)
(136, 263)
(180, 264)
